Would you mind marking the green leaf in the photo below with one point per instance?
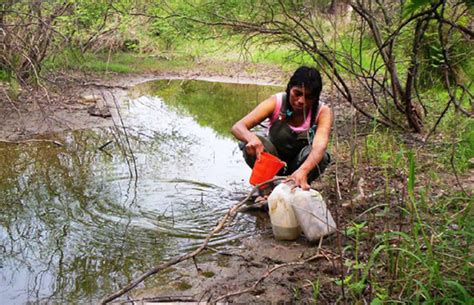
(376, 301)
(347, 280)
(411, 174)
(467, 298)
(358, 287)
(413, 6)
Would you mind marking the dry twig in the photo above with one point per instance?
(31, 141)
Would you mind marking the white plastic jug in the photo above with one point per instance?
(284, 223)
(312, 214)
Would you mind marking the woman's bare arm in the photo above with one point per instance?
(241, 129)
(318, 148)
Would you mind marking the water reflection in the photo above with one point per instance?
(75, 224)
(211, 104)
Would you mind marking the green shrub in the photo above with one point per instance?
(4, 75)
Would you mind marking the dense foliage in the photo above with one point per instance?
(33, 31)
(380, 55)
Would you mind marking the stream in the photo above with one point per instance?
(80, 220)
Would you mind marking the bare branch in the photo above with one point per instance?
(220, 225)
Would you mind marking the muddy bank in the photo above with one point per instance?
(260, 269)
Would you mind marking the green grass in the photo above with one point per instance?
(413, 247)
(103, 66)
(363, 53)
(4, 75)
(462, 149)
(454, 129)
(122, 62)
(384, 148)
(427, 261)
(184, 55)
(284, 56)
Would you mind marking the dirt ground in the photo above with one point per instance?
(255, 260)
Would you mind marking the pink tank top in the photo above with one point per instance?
(276, 113)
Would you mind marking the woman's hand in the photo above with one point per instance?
(254, 147)
(300, 178)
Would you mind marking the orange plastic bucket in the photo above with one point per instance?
(265, 168)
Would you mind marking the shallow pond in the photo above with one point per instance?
(80, 220)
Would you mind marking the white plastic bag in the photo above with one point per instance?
(312, 214)
(284, 223)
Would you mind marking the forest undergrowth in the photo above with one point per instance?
(404, 208)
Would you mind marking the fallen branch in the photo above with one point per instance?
(104, 86)
(228, 253)
(31, 141)
(104, 145)
(227, 217)
(167, 299)
(13, 104)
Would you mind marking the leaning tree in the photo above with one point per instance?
(376, 53)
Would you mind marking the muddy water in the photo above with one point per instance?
(79, 220)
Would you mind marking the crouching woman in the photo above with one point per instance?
(299, 128)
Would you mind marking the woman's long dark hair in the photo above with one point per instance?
(310, 79)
